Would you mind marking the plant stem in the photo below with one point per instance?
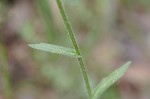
(72, 37)
(6, 78)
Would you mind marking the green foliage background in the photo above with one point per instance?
(109, 33)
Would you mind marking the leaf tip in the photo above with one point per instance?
(30, 45)
(128, 63)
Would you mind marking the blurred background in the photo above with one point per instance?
(109, 33)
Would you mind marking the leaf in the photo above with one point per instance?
(109, 80)
(55, 49)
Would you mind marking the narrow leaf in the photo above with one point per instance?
(55, 49)
(109, 80)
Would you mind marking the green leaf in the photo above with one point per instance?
(109, 80)
(55, 49)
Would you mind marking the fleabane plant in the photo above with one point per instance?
(75, 53)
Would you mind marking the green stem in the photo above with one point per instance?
(4, 69)
(72, 37)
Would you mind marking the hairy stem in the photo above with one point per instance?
(72, 37)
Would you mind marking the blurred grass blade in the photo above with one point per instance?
(109, 80)
(55, 49)
(46, 12)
